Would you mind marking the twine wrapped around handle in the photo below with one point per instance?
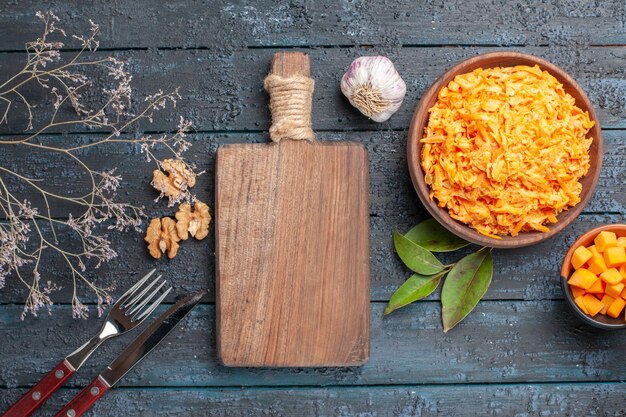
(290, 103)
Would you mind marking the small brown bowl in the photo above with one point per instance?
(600, 320)
(420, 121)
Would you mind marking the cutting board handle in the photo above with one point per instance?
(290, 87)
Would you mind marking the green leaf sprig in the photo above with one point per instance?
(465, 282)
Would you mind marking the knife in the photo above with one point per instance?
(133, 354)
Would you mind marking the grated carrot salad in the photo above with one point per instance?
(505, 148)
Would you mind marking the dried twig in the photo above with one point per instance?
(27, 232)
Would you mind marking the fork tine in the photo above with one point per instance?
(152, 307)
(138, 297)
(140, 303)
(134, 288)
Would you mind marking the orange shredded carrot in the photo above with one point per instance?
(505, 148)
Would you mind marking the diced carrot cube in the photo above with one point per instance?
(621, 241)
(610, 276)
(579, 302)
(592, 304)
(597, 265)
(597, 287)
(622, 270)
(578, 292)
(593, 250)
(614, 256)
(580, 256)
(583, 278)
(615, 290)
(605, 240)
(616, 307)
(607, 300)
(623, 294)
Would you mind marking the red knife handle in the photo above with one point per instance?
(38, 395)
(85, 399)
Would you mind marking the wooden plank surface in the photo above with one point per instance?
(500, 342)
(520, 274)
(528, 400)
(522, 352)
(226, 24)
(523, 274)
(391, 190)
(225, 91)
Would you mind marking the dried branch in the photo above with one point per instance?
(26, 232)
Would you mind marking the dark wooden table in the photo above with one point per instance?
(522, 352)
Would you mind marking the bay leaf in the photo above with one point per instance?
(416, 287)
(416, 258)
(465, 285)
(432, 236)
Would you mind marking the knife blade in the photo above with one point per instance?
(131, 356)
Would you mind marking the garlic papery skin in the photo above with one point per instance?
(373, 86)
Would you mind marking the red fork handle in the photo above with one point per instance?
(38, 395)
(85, 399)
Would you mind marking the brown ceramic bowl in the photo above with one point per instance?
(420, 121)
(600, 320)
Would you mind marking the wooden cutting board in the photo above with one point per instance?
(292, 249)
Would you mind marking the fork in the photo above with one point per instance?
(133, 307)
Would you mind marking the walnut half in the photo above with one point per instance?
(161, 237)
(176, 179)
(194, 223)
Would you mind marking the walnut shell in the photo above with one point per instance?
(176, 179)
(161, 237)
(194, 223)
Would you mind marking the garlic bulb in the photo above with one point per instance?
(373, 86)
